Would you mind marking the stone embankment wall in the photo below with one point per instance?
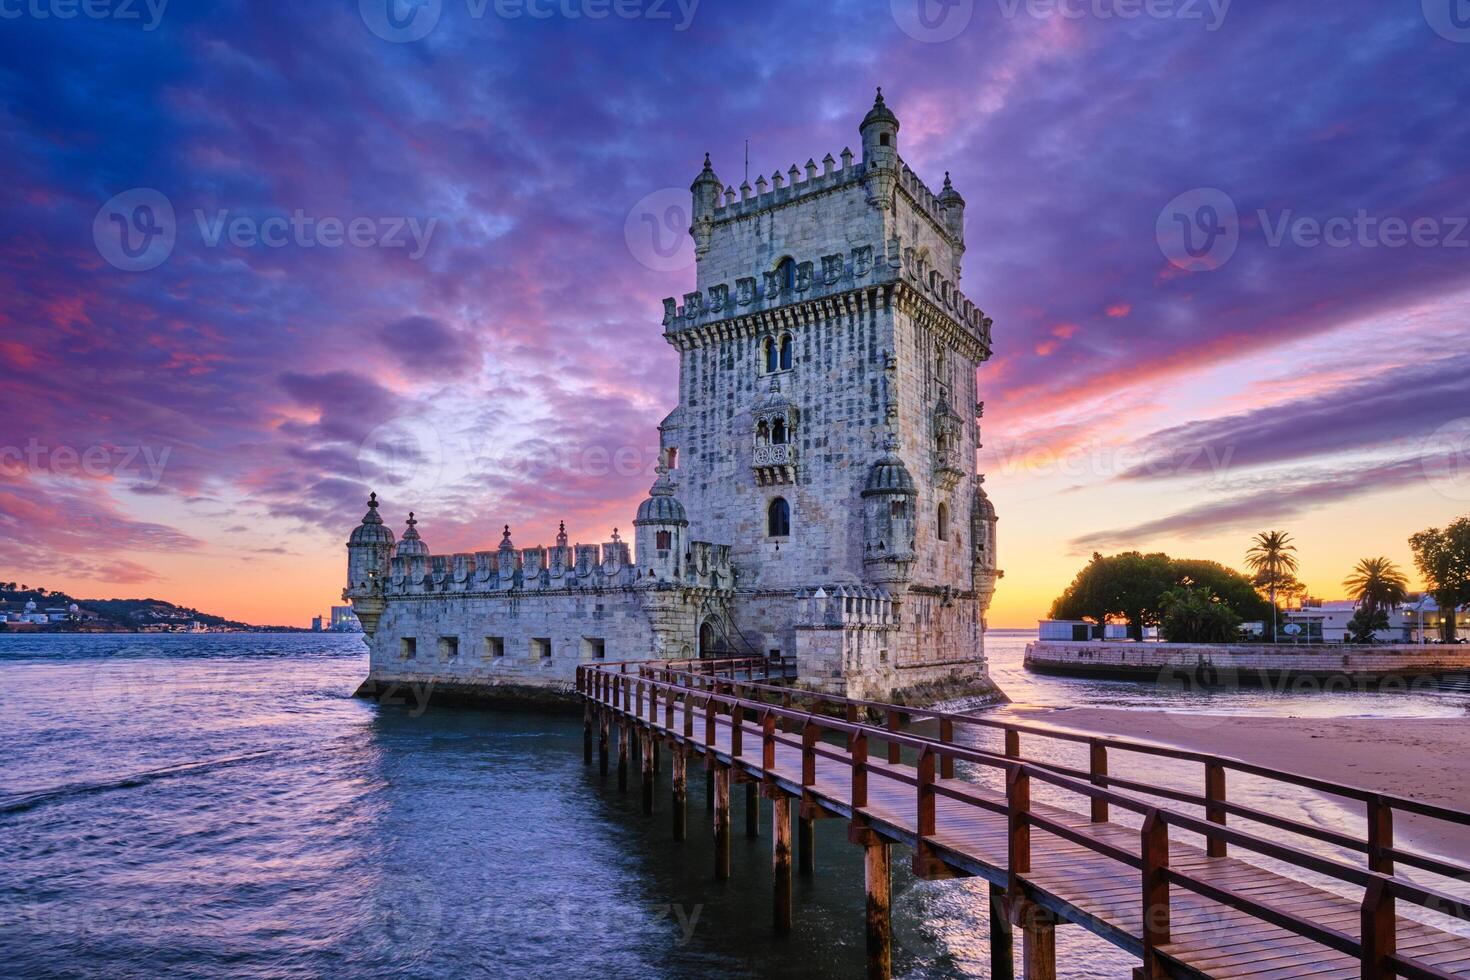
(1249, 664)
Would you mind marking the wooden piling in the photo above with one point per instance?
(781, 861)
(680, 794)
(1038, 944)
(602, 726)
(1002, 954)
(646, 737)
(806, 845)
(877, 876)
(721, 780)
(623, 734)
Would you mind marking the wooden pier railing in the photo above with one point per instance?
(1184, 910)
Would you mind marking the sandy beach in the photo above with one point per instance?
(1426, 759)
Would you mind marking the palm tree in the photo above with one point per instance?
(1378, 583)
(1270, 557)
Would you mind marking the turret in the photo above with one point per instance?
(889, 500)
(412, 546)
(661, 531)
(953, 206)
(879, 130)
(369, 550)
(706, 190)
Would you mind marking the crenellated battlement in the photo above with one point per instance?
(828, 276)
(539, 569)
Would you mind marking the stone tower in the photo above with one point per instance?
(828, 415)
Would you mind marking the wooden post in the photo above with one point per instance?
(806, 845)
(623, 734)
(893, 750)
(781, 860)
(680, 793)
(1013, 743)
(1038, 944)
(752, 810)
(1018, 805)
(946, 735)
(1155, 851)
(721, 781)
(1002, 956)
(1214, 811)
(768, 743)
(602, 726)
(709, 784)
(858, 748)
(1380, 836)
(877, 876)
(646, 737)
(1379, 935)
(925, 825)
(804, 824)
(737, 731)
(1098, 773)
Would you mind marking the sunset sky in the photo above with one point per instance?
(206, 430)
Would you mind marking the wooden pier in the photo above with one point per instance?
(1185, 909)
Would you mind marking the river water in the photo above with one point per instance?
(219, 805)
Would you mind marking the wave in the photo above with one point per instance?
(16, 802)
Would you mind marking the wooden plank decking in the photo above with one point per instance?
(1217, 911)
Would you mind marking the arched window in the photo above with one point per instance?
(883, 139)
(778, 432)
(770, 347)
(896, 508)
(778, 519)
(787, 349)
(944, 522)
(786, 274)
(762, 433)
(663, 540)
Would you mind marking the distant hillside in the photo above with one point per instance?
(117, 614)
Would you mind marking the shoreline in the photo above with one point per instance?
(1425, 759)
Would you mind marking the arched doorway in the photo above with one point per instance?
(711, 640)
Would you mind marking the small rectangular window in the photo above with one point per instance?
(540, 648)
(663, 540)
(594, 648)
(494, 647)
(448, 647)
(408, 647)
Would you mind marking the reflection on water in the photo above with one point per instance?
(207, 805)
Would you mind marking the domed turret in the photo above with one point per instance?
(412, 546)
(369, 549)
(953, 206)
(888, 521)
(890, 476)
(661, 528)
(879, 130)
(706, 190)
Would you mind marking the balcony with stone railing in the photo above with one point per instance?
(774, 465)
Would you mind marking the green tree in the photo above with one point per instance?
(1125, 586)
(1231, 587)
(1271, 558)
(1442, 557)
(1193, 614)
(1378, 584)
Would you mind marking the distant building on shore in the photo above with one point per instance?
(1416, 621)
(344, 620)
(316, 624)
